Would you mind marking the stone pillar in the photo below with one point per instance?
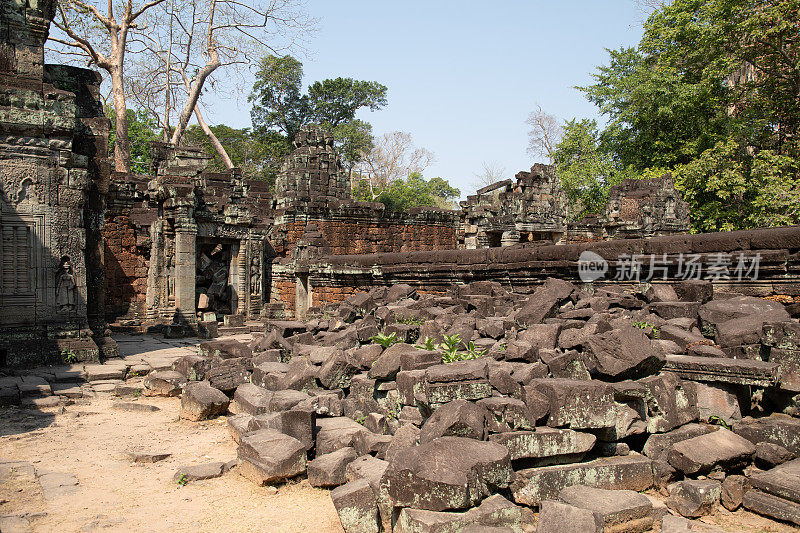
(185, 268)
(152, 297)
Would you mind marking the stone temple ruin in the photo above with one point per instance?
(534, 209)
(439, 370)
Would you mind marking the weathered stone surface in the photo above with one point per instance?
(494, 512)
(135, 406)
(577, 404)
(777, 429)
(546, 445)
(145, 456)
(335, 433)
(355, 503)
(163, 383)
(199, 472)
(459, 418)
(406, 436)
(717, 401)
(658, 444)
(782, 481)
(670, 403)
(559, 517)
(448, 473)
(200, 401)
(631, 472)
(695, 290)
(769, 455)
(719, 311)
(252, 399)
(618, 510)
(224, 349)
(57, 485)
(227, 374)
(238, 425)
(733, 490)
(283, 400)
(661, 292)
(625, 353)
(772, 506)
(328, 470)
(506, 414)
(694, 498)
(367, 442)
(337, 372)
(419, 359)
(369, 468)
(721, 448)
(727, 370)
(267, 455)
(388, 364)
(297, 423)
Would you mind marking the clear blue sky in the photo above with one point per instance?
(463, 76)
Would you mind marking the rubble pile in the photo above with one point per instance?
(213, 290)
(469, 411)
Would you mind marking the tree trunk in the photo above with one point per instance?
(213, 138)
(122, 149)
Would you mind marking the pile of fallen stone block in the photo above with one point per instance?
(570, 401)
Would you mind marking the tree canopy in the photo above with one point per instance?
(280, 105)
(412, 191)
(711, 94)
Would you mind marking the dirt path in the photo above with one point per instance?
(90, 441)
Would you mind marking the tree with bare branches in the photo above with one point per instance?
(202, 37)
(101, 36)
(545, 133)
(393, 156)
(178, 49)
(491, 172)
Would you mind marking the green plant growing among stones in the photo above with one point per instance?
(182, 480)
(385, 340)
(647, 325)
(428, 344)
(718, 421)
(69, 357)
(410, 320)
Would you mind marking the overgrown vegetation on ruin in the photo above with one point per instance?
(709, 95)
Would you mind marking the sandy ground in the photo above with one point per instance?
(90, 441)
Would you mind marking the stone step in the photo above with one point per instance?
(630, 472)
(724, 370)
(225, 331)
(772, 506)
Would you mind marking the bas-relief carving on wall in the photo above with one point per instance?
(65, 287)
(255, 274)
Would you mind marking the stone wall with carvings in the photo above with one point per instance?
(534, 209)
(53, 177)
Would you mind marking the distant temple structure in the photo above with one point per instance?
(534, 209)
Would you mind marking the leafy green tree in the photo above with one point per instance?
(730, 188)
(353, 139)
(259, 155)
(711, 93)
(336, 101)
(278, 102)
(142, 130)
(279, 105)
(585, 167)
(413, 191)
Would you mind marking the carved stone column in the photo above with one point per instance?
(185, 268)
